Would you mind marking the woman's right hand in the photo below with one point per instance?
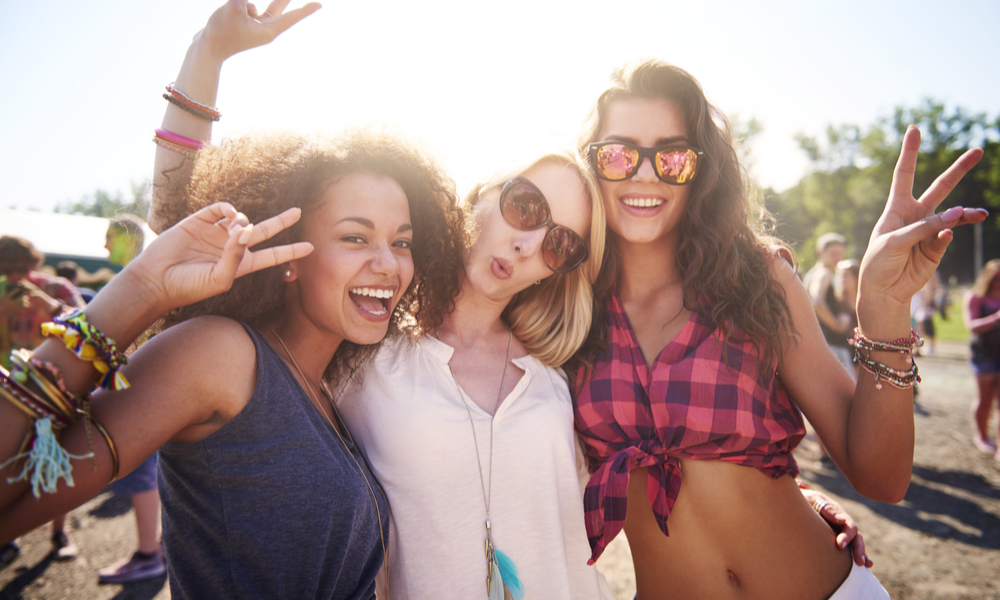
(237, 26)
(202, 255)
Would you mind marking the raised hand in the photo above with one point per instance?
(202, 255)
(909, 239)
(237, 26)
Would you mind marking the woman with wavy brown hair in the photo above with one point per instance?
(706, 346)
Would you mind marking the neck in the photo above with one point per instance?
(310, 348)
(646, 267)
(474, 320)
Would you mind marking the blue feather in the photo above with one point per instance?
(508, 571)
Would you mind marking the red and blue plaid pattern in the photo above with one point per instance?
(692, 405)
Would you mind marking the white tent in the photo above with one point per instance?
(55, 234)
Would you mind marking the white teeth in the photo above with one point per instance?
(642, 202)
(374, 293)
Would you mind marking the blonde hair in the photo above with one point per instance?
(552, 319)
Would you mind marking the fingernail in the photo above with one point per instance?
(245, 236)
(953, 213)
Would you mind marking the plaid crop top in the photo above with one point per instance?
(690, 406)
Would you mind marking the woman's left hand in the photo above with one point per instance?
(841, 523)
(909, 239)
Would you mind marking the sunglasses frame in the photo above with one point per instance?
(644, 153)
(547, 223)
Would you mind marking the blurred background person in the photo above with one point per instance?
(846, 290)
(981, 310)
(29, 298)
(70, 271)
(922, 308)
(124, 241)
(835, 322)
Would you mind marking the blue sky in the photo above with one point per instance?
(481, 83)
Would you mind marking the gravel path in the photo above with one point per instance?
(941, 542)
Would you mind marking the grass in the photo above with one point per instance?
(952, 329)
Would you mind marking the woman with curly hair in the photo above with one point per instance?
(265, 494)
(706, 346)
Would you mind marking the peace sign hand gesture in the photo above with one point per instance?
(202, 255)
(909, 239)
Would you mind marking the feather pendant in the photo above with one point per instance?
(495, 584)
(508, 572)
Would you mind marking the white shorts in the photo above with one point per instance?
(861, 584)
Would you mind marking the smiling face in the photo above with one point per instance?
(361, 264)
(643, 209)
(504, 260)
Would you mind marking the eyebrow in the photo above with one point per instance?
(369, 224)
(660, 142)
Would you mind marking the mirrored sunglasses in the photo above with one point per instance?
(617, 161)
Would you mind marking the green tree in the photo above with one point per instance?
(851, 172)
(103, 204)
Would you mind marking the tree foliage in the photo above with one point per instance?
(851, 173)
(103, 204)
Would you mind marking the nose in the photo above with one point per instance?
(646, 172)
(528, 243)
(384, 261)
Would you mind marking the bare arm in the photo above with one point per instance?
(196, 259)
(869, 431)
(234, 27)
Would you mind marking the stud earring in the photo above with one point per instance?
(288, 273)
(538, 282)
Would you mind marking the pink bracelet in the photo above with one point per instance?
(179, 140)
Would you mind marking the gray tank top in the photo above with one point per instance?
(271, 505)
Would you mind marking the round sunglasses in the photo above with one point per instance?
(524, 207)
(617, 161)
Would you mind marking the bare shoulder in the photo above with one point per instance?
(209, 341)
(211, 359)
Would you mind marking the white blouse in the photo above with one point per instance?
(409, 417)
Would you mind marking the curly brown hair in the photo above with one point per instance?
(725, 250)
(265, 174)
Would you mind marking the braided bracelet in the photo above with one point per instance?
(88, 343)
(188, 152)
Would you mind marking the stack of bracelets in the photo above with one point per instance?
(863, 347)
(184, 102)
(178, 143)
(38, 389)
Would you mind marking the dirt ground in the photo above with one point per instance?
(941, 542)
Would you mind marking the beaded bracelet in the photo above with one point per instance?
(88, 343)
(900, 346)
(196, 108)
(897, 378)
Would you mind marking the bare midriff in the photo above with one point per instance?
(734, 533)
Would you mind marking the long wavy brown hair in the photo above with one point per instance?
(725, 251)
(265, 174)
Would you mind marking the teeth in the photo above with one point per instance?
(642, 202)
(374, 293)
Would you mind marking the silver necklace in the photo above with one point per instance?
(496, 588)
